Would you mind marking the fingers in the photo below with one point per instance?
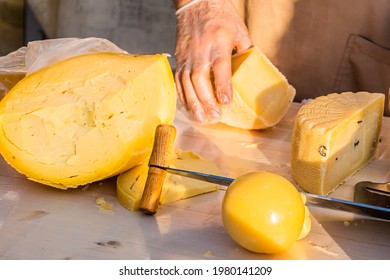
(200, 93)
(222, 78)
(243, 44)
(196, 93)
(222, 71)
(206, 36)
(200, 79)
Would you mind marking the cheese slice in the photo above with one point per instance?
(333, 137)
(131, 184)
(86, 118)
(261, 94)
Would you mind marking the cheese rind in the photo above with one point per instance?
(333, 137)
(261, 93)
(131, 184)
(86, 118)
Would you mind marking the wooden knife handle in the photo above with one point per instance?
(161, 155)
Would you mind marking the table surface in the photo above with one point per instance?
(41, 222)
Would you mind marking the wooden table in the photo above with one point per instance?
(41, 222)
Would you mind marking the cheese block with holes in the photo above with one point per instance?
(261, 93)
(86, 118)
(333, 137)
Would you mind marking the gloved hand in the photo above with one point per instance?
(207, 34)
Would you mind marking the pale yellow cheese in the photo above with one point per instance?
(86, 118)
(263, 212)
(261, 93)
(130, 184)
(333, 137)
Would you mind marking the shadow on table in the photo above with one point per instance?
(361, 238)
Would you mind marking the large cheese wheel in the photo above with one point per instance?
(261, 93)
(86, 118)
(333, 137)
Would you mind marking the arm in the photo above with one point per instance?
(207, 32)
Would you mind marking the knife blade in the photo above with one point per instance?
(311, 199)
(349, 206)
(215, 179)
(373, 193)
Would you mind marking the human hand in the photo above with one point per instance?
(207, 33)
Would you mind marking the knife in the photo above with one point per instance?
(311, 199)
(215, 179)
(373, 193)
(159, 165)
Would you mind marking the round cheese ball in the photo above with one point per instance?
(263, 212)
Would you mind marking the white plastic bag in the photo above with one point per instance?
(42, 53)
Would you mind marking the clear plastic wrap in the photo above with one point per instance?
(39, 54)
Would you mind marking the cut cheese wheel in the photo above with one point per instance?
(131, 184)
(86, 118)
(261, 94)
(333, 137)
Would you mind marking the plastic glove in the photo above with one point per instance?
(207, 34)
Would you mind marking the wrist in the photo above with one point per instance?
(184, 4)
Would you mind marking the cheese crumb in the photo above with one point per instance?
(103, 204)
(208, 254)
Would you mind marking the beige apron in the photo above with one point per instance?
(324, 46)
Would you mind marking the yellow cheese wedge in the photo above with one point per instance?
(261, 94)
(130, 184)
(333, 137)
(86, 118)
